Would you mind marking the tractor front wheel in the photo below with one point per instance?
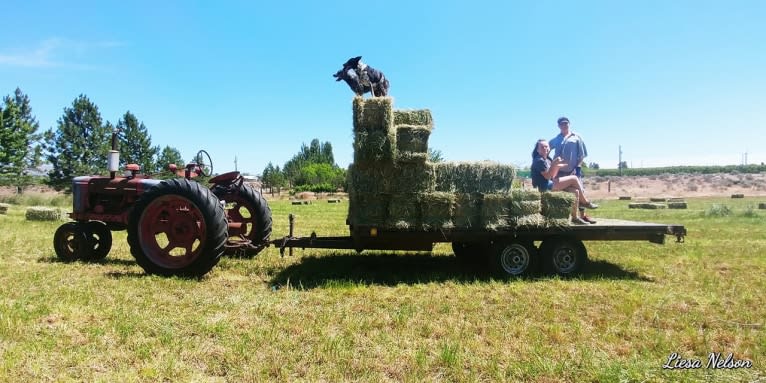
(70, 242)
(177, 228)
(246, 206)
(99, 241)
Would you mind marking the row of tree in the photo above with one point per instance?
(313, 168)
(78, 146)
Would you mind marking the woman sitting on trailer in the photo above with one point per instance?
(545, 177)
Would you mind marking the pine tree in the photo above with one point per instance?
(168, 156)
(135, 143)
(80, 144)
(19, 142)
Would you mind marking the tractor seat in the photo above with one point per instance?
(133, 169)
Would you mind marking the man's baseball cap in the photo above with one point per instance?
(562, 119)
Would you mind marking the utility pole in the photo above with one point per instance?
(619, 164)
(235, 163)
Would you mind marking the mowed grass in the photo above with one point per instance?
(337, 316)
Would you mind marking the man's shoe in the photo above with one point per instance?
(589, 205)
(578, 221)
(587, 219)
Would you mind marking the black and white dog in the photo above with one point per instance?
(362, 78)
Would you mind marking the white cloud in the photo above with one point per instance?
(55, 52)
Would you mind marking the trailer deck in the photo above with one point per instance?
(373, 238)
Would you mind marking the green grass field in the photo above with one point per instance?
(382, 316)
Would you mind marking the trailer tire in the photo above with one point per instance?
(246, 205)
(172, 215)
(470, 253)
(99, 241)
(513, 259)
(563, 256)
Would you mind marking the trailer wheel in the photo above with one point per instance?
(177, 228)
(99, 241)
(247, 206)
(470, 253)
(69, 241)
(512, 259)
(564, 256)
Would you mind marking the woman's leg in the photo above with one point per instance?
(567, 182)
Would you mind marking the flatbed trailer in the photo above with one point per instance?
(509, 253)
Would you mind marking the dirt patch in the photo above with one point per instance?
(676, 185)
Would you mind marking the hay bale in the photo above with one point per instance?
(474, 177)
(676, 199)
(557, 205)
(646, 205)
(404, 211)
(373, 114)
(495, 210)
(658, 199)
(437, 210)
(412, 138)
(411, 157)
(368, 208)
(370, 179)
(525, 202)
(4, 208)
(374, 133)
(762, 205)
(467, 210)
(413, 117)
(412, 177)
(307, 195)
(624, 198)
(40, 213)
(374, 146)
(677, 205)
(738, 195)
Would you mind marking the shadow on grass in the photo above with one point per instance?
(606, 270)
(105, 261)
(141, 274)
(339, 271)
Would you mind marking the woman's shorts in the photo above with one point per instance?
(546, 187)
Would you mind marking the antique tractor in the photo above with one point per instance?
(175, 227)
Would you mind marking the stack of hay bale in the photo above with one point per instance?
(393, 185)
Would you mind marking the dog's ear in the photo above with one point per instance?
(352, 62)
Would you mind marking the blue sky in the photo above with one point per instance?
(671, 82)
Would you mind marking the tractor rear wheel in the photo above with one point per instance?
(99, 241)
(70, 241)
(247, 206)
(177, 228)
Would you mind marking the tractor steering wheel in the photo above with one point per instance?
(204, 163)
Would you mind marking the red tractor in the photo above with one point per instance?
(175, 227)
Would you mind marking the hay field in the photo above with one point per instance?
(382, 316)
